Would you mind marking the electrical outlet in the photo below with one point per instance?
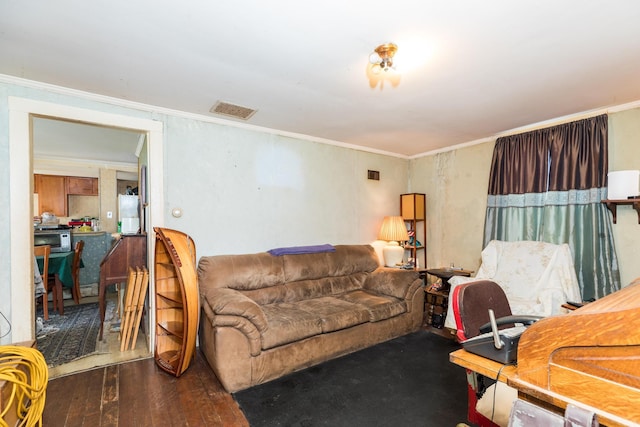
(109, 214)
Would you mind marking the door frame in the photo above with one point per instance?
(21, 111)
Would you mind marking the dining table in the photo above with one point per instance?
(60, 263)
(60, 266)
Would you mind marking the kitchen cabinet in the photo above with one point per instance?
(53, 191)
(52, 195)
(81, 186)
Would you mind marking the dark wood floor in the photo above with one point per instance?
(140, 394)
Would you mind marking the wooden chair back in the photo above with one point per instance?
(75, 270)
(44, 251)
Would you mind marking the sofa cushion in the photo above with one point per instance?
(336, 314)
(267, 295)
(306, 289)
(241, 272)
(325, 286)
(380, 307)
(286, 323)
(385, 281)
(346, 260)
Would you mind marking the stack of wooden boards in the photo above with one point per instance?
(135, 294)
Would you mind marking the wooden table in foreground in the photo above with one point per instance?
(589, 357)
(547, 399)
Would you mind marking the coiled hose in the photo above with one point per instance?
(26, 372)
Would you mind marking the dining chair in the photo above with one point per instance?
(75, 270)
(44, 251)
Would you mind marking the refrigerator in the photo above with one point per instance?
(129, 213)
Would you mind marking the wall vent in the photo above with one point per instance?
(232, 110)
(375, 175)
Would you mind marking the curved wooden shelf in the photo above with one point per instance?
(177, 300)
(612, 205)
(172, 328)
(174, 296)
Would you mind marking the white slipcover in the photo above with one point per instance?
(537, 277)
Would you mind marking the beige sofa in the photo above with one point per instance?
(265, 316)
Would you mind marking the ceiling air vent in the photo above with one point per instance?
(232, 110)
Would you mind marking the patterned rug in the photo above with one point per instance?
(69, 337)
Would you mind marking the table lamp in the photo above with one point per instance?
(393, 231)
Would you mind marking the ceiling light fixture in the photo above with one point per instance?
(382, 57)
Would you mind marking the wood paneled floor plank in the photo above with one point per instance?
(134, 406)
(110, 397)
(201, 405)
(140, 394)
(221, 402)
(165, 410)
(58, 412)
(86, 403)
(75, 399)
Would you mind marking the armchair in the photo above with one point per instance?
(537, 277)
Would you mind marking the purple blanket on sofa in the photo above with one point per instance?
(294, 250)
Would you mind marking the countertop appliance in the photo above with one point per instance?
(58, 238)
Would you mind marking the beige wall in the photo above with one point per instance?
(108, 200)
(456, 183)
(80, 206)
(624, 153)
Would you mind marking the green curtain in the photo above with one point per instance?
(548, 185)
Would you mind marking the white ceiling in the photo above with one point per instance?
(62, 140)
(467, 69)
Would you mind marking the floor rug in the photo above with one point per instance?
(408, 381)
(70, 336)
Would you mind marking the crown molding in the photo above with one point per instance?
(78, 167)
(183, 114)
(200, 117)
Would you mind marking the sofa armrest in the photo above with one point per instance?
(249, 330)
(229, 302)
(394, 282)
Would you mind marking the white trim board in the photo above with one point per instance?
(21, 111)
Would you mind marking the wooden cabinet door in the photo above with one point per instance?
(52, 195)
(82, 186)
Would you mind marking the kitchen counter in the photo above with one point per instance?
(87, 233)
(96, 245)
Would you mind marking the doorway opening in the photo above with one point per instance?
(22, 112)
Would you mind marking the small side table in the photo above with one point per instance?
(437, 299)
(445, 274)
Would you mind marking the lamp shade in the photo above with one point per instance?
(412, 206)
(393, 228)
